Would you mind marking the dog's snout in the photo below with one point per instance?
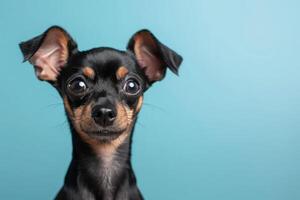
(104, 115)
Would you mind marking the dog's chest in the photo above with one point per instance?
(109, 171)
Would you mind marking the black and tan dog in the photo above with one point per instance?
(102, 90)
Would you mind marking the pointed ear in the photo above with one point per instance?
(152, 56)
(49, 52)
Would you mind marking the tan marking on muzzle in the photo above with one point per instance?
(76, 117)
(89, 72)
(122, 120)
(81, 116)
(130, 114)
(121, 72)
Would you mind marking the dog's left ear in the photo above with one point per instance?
(153, 56)
(49, 52)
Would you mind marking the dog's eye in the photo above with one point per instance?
(132, 87)
(77, 86)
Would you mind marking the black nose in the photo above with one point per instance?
(103, 116)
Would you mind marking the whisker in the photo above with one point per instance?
(62, 124)
(140, 124)
(154, 106)
(53, 105)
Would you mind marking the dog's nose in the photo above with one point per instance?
(103, 116)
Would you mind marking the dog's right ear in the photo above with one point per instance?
(49, 52)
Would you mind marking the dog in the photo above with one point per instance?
(102, 91)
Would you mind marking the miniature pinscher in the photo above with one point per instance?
(102, 91)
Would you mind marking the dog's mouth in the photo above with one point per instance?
(105, 134)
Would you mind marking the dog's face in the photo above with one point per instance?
(102, 91)
(102, 88)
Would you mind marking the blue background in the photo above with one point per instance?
(227, 128)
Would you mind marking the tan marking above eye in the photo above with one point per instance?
(89, 72)
(121, 72)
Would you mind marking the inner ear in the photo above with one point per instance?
(153, 57)
(51, 56)
(49, 52)
(147, 53)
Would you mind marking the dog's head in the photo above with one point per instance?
(102, 88)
